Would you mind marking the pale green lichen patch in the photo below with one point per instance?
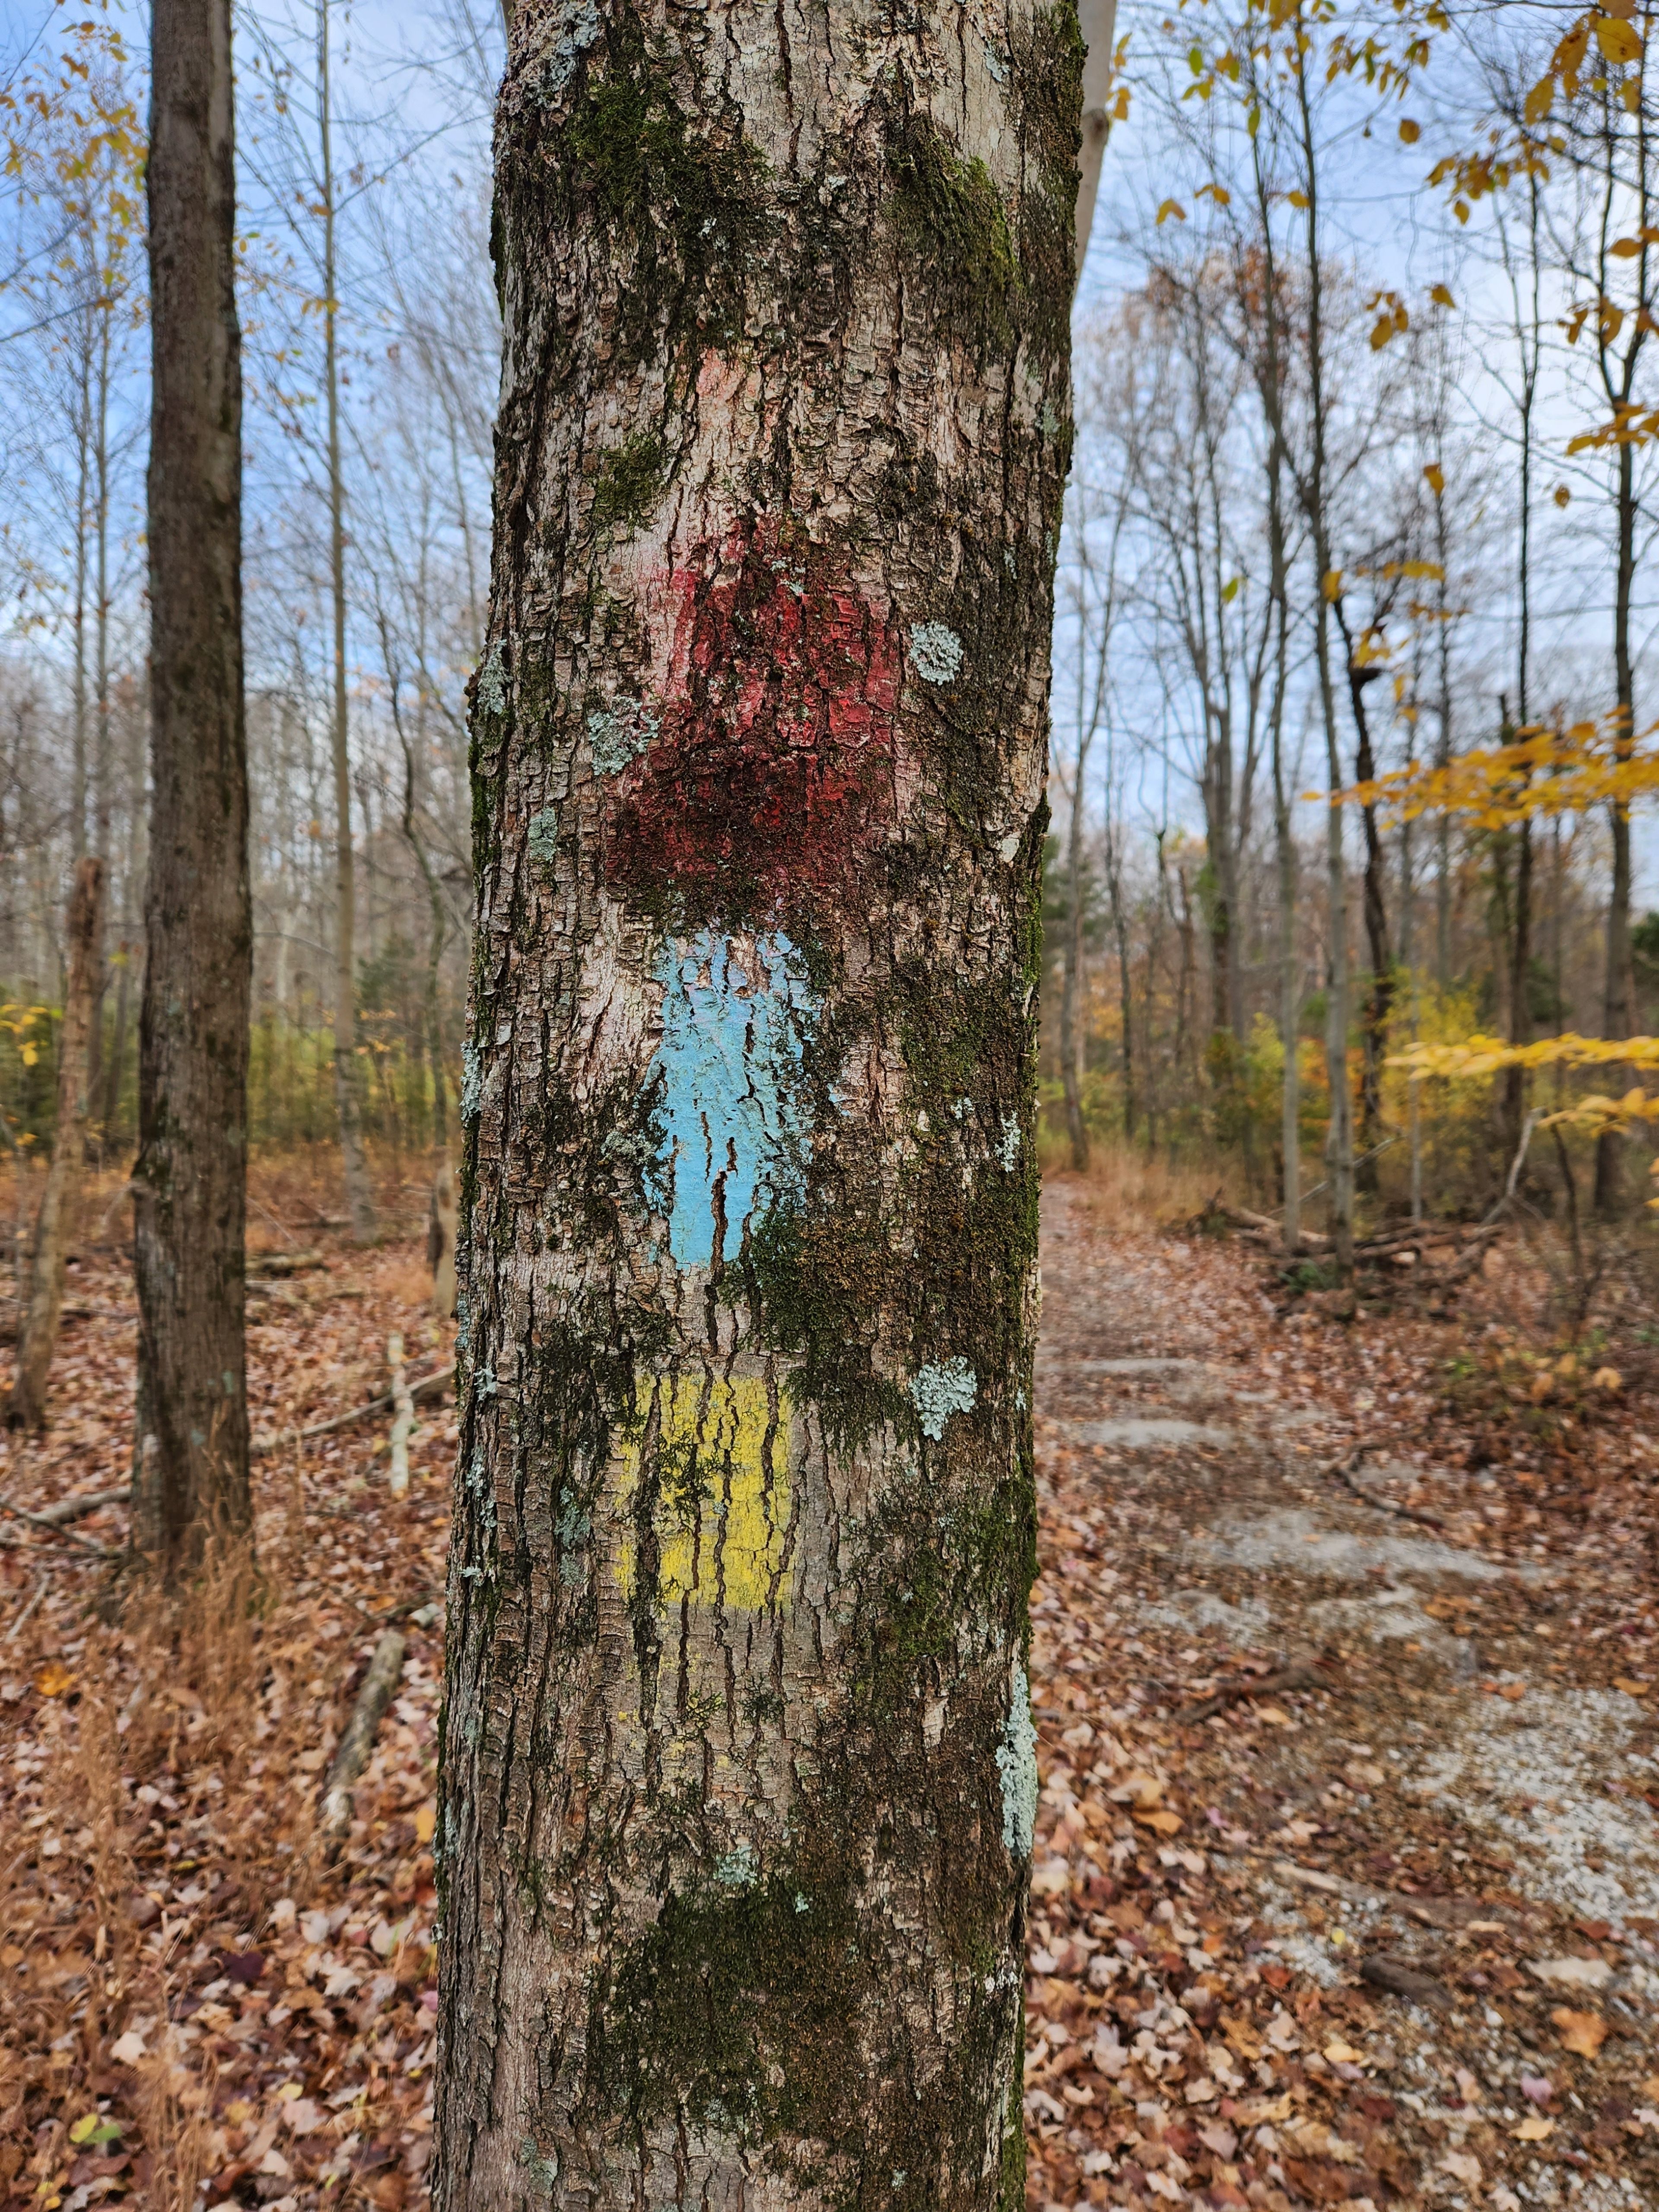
(935, 653)
(543, 839)
(938, 1392)
(541, 2166)
(739, 1868)
(492, 680)
(618, 734)
(1017, 1764)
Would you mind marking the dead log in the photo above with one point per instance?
(403, 1409)
(379, 1687)
(285, 1263)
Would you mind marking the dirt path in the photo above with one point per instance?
(1389, 1931)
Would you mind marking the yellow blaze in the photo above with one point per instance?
(723, 1502)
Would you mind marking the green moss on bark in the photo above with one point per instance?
(631, 480)
(951, 219)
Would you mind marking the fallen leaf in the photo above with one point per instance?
(1630, 1687)
(128, 2049)
(1463, 2166)
(426, 1822)
(1163, 1824)
(1512, 1691)
(1264, 2112)
(1583, 2032)
(1052, 1879)
(1572, 1973)
(1274, 1715)
(54, 1679)
(1534, 2129)
(1343, 2054)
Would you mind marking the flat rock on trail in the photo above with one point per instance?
(1385, 1927)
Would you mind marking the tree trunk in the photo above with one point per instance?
(1073, 1017)
(1339, 1142)
(1616, 987)
(1125, 992)
(739, 1777)
(359, 1203)
(42, 1300)
(190, 1201)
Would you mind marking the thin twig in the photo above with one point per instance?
(1344, 1471)
(18, 1625)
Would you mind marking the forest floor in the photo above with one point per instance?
(1346, 1886)
(1382, 1924)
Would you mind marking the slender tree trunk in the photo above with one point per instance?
(1340, 1141)
(1617, 984)
(102, 765)
(78, 778)
(1379, 999)
(359, 1203)
(133, 869)
(1125, 980)
(737, 1776)
(1072, 1020)
(42, 1303)
(1269, 365)
(189, 1213)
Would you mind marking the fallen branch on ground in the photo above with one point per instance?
(1346, 1470)
(285, 1263)
(424, 1386)
(403, 1417)
(1303, 1673)
(55, 1526)
(379, 1687)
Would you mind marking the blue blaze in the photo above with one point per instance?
(731, 1109)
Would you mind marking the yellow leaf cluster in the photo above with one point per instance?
(1542, 772)
(1481, 1054)
(1618, 40)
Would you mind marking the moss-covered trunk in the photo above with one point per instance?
(737, 1774)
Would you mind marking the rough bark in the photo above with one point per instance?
(42, 1303)
(189, 1183)
(738, 1777)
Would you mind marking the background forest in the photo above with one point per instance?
(1349, 494)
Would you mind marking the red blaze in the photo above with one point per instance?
(771, 767)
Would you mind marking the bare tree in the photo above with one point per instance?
(190, 1474)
